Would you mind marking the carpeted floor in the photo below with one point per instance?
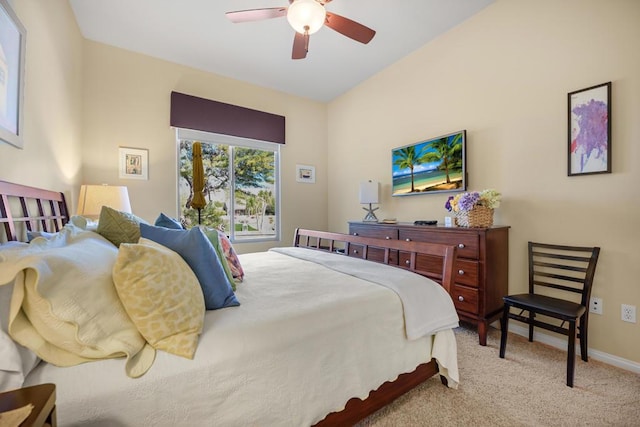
(527, 388)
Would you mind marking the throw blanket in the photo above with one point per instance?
(428, 308)
(64, 305)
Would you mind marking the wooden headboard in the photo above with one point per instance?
(24, 208)
(433, 260)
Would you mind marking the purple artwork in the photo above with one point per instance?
(590, 130)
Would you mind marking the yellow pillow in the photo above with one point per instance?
(162, 296)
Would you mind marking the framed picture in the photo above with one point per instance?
(590, 130)
(12, 54)
(434, 165)
(134, 163)
(305, 173)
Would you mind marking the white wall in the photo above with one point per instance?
(504, 76)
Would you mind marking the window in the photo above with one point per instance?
(241, 185)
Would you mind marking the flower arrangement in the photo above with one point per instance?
(465, 202)
(475, 208)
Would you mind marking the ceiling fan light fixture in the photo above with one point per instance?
(306, 16)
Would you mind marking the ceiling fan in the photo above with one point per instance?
(306, 17)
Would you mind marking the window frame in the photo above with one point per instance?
(234, 141)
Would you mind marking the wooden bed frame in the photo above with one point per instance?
(357, 409)
(24, 208)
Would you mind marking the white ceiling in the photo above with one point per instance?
(196, 33)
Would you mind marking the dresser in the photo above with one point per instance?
(482, 267)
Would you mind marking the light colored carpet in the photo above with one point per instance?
(527, 388)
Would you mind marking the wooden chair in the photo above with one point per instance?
(558, 271)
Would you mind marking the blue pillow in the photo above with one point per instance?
(168, 222)
(33, 234)
(194, 247)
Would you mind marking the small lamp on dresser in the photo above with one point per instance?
(369, 194)
(94, 197)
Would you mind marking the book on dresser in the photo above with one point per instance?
(482, 267)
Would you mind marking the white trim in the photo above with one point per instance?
(217, 138)
(561, 344)
(235, 141)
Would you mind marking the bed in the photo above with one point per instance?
(319, 338)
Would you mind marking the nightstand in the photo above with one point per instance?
(43, 399)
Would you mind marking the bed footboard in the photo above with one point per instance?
(348, 245)
(343, 243)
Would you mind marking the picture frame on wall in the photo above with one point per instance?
(306, 174)
(589, 129)
(134, 163)
(434, 165)
(12, 58)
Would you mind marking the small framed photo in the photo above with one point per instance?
(305, 173)
(12, 58)
(134, 163)
(590, 130)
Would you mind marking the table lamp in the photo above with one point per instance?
(94, 197)
(369, 194)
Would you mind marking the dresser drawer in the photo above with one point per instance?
(468, 243)
(467, 272)
(377, 231)
(465, 299)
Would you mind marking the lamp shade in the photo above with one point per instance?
(306, 16)
(94, 197)
(369, 192)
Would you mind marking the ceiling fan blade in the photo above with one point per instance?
(300, 46)
(349, 28)
(256, 14)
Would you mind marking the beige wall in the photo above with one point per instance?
(126, 103)
(504, 76)
(51, 157)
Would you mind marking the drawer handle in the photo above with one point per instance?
(387, 237)
(407, 262)
(355, 234)
(461, 245)
(355, 251)
(461, 272)
(460, 298)
(407, 239)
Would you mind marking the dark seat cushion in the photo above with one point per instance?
(548, 305)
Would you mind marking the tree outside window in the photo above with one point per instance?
(240, 189)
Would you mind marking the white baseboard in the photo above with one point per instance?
(561, 344)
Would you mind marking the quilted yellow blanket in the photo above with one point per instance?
(64, 305)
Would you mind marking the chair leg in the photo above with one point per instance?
(571, 353)
(532, 316)
(582, 331)
(504, 324)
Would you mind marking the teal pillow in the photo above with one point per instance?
(168, 222)
(196, 249)
(212, 235)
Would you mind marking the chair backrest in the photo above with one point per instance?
(563, 268)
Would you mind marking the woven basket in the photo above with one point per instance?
(479, 216)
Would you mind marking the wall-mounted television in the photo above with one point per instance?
(431, 166)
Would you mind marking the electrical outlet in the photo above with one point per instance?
(595, 305)
(628, 313)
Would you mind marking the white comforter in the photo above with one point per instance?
(298, 347)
